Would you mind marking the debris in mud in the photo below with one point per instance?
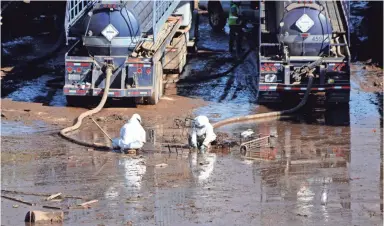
(44, 217)
(87, 204)
(302, 215)
(374, 75)
(18, 200)
(15, 206)
(377, 83)
(221, 137)
(39, 194)
(162, 165)
(134, 199)
(100, 119)
(54, 196)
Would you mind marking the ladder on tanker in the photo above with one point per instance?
(157, 12)
(337, 12)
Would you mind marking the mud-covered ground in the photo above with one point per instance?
(325, 167)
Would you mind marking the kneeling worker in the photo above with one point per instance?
(132, 135)
(202, 134)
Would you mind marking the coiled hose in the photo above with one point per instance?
(64, 132)
(276, 114)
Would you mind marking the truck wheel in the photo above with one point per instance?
(195, 27)
(217, 18)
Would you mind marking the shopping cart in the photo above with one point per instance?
(259, 147)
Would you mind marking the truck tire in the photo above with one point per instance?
(194, 32)
(217, 18)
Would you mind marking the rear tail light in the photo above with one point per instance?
(69, 69)
(269, 67)
(78, 70)
(339, 67)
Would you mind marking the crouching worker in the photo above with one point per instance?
(202, 134)
(132, 135)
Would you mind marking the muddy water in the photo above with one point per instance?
(325, 167)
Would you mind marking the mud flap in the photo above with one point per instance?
(158, 85)
(338, 97)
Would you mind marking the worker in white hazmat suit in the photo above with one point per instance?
(202, 134)
(132, 135)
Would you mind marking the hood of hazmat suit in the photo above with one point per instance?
(202, 129)
(132, 134)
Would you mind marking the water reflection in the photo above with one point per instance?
(134, 170)
(312, 155)
(202, 165)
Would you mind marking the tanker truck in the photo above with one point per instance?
(295, 34)
(143, 40)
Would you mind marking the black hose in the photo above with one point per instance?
(276, 114)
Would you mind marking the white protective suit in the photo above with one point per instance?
(202, 133)
(132, 134)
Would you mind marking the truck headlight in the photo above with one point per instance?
(270, 78)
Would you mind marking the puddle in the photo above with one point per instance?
(9, 128)
(31, 89)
